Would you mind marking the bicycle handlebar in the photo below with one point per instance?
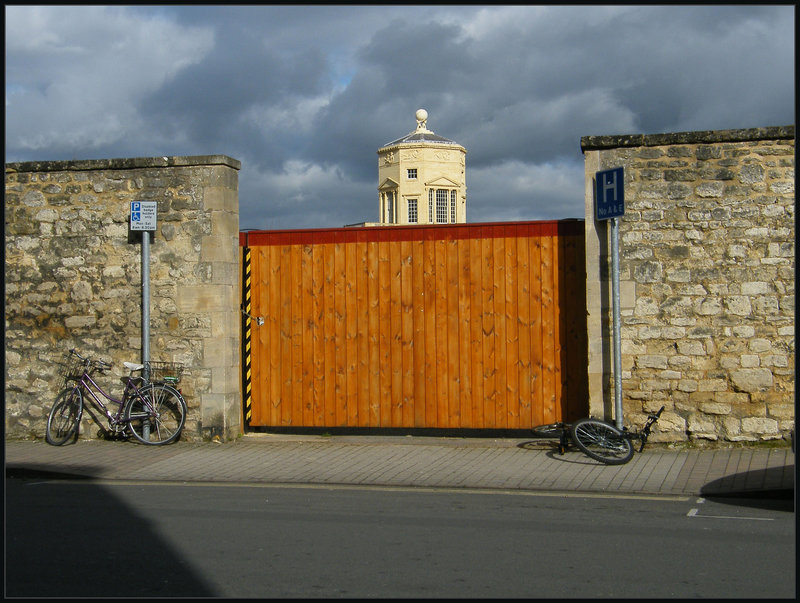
(645, 433)
(99, 364)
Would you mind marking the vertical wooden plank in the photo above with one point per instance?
(396, 356)
(329, 338)
(453, 326)
(308, 332)
(374, 336)
(384, 300)
(262, 338)
(551, 412)
(318, 312)
(563, 305)
(524, 311)
(273, 334)
(501, 358)
(286, 336)
(419, 351)
(476, 331)
(558, 327)
(429, 285)
(512, 333)
(296, 310)
(488, 303)
(566, 249)
(350, 399)
(442, 390)
(537, 365)
(340, 317)
(259, 360)
(464, 334)
(362, 336)
(406, 334)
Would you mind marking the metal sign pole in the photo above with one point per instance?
(610, 205)
(145, 297)
(144, 219)
(617, 320)
(146, 317)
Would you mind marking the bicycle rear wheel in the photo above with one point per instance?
(156, 415)
(602, 442)
(65, 417)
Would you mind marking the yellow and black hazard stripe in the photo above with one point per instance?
(247, 397)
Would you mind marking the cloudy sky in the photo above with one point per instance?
(304, 96)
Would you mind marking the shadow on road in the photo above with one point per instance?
(76, 539)
(759, 489)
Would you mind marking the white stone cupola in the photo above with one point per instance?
(421, 178)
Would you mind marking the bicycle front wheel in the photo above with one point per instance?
(156, 414)
(602, 442)
(65, 417)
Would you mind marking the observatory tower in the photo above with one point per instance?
(421, 178)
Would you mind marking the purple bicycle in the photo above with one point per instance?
(154, 412)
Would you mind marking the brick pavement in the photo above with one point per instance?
(402, 461)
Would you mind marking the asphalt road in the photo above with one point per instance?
(90, 539)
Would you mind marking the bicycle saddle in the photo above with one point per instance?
(132, 366)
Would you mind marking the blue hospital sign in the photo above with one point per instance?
(609, 194)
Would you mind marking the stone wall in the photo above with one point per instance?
(707, 273)
(73, 279)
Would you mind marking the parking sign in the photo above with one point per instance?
(609, 194)
(144, 215)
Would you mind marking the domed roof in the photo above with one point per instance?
(421, 134)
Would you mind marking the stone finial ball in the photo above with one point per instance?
(422, 115)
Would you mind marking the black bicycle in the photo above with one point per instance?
(598, 439)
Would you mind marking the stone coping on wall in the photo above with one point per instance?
(122, 164)
(595, 143)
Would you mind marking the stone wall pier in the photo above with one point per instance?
(707, 265)
(73, 280)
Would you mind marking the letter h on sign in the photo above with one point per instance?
(609, 194)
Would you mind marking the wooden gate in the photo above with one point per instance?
(479, 326)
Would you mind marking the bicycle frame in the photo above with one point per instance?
(86, 382)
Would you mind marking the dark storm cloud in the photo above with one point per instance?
(304, 96)
(206, 102)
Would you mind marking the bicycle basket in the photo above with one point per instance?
(163, 371)
(71, 369)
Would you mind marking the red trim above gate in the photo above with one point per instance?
(425, 232)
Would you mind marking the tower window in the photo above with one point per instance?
(412, 173)
(412, 211)
(441, 206)
(430, 206)
(453, 206)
